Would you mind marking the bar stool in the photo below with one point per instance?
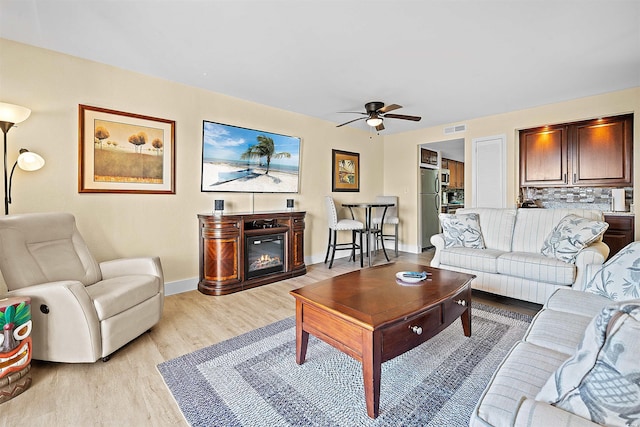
(390, 218)
(336, 225)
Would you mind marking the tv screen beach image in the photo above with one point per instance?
(247, 160)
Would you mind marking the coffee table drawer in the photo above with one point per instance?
(411, 332)
(456, 305)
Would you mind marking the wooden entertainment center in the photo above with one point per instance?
(226, 240)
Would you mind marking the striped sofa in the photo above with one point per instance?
(557, 340)
(512, 263)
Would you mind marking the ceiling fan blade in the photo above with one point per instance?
(380, 127)
(403, 117)
(352, 112)
(351, 121)
(389, 107)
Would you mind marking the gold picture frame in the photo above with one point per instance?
(124, 152)
(345, 171)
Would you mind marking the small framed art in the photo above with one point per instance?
(345, 171)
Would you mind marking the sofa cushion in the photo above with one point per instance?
(471, 259)
(520, 375)
(569, 300)
(557, 330)
(534, 225)
(601, 381)
(118, 294)
(496, 225)
(619, 278)
(570, 236)
(534, 266)
(461, 231)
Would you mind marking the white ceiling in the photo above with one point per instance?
(447, 61)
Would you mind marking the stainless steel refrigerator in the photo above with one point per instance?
(429, 204)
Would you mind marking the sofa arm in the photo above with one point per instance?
(65, 323)
(594, 254)
(534, 413)
(127, 266)
(437, 240)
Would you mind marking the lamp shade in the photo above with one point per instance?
(374, 121)
(29, 161)
(13, 113)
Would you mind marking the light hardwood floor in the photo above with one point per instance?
(128, 390)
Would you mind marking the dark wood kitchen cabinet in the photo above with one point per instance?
(620, 233)
(590, 153)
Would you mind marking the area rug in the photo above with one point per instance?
(253, 379)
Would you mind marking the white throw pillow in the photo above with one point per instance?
(462, 230)
(570, 236)
(619, 278)
(601, 381)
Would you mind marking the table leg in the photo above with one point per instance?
(367, 215)
(371, 370)
(466, 321)
(302, 337)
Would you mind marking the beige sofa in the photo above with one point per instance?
(512, 263)
(577, 364)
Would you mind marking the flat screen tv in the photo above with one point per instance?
(246, 160)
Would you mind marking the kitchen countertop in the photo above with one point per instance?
(611, 213)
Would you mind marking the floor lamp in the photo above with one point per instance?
(10, 114)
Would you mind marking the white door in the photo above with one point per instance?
(489, 172)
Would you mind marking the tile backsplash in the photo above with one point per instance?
(575, 197)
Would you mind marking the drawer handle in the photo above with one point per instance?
(416, 330)
(462, 302)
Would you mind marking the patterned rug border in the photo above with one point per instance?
(182, 375)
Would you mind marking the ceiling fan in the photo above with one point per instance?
(376, 111)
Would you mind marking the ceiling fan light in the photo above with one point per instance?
(374, 121)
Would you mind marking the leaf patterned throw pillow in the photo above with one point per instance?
(601, 381)
(619, 278)
(570, 236)
(462, 230)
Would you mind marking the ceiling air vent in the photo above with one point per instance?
(455, 129)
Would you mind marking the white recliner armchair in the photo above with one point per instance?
(82, 310)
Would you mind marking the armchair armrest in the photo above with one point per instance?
(127, 266)
(437, 240)
(596, 254)
(66, 326)
(535, 413)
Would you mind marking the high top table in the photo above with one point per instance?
(367, 215)
(373, 318)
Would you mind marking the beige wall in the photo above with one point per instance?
(401, 151)
(117, 225)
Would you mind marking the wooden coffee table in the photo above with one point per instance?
(369, 316)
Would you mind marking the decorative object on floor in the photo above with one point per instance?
(376, 111)
(253, 379)
(10, 114)
(15, 346)
(86, 310)
(125, 153)
(345, 168)
(248, 161)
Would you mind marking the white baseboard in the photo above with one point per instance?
(179, 286)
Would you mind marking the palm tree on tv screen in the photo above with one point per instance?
(264, 148)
